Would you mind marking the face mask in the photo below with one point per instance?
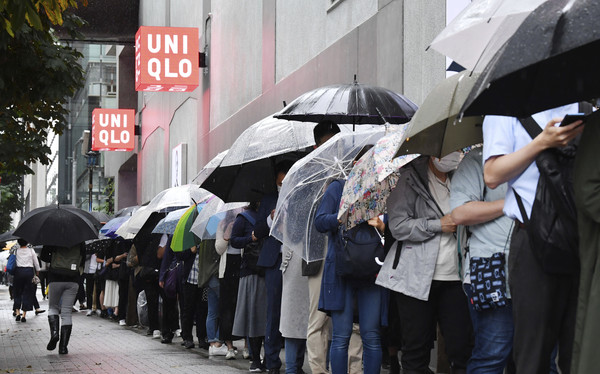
(278, 189)
(447, 163)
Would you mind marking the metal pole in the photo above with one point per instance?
(90, 171)
(74, 182)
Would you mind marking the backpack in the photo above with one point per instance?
(66, 260)
(552, 226)
(356, 255)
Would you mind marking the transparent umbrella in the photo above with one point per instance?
(246, 172)
(304, 185)
(167, 200)
(209, 167)
(206, 224)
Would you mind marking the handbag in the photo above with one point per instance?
(11, 264)
(170, 286)
(488, 280)
(356, 256)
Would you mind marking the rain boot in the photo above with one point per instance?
(65, 334)
(53, 321)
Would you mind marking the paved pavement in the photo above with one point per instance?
(98, 346)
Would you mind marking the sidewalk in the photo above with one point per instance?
(98, 346)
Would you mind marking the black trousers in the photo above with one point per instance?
(152, 292)
(194, 309)
(123, 297)
(22, 288)
(80, 291)
(544, 308)
(170, 314)
(43, 282)
(447, 306)
(89, 289)
(228, 292)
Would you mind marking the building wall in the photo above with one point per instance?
(261, 53)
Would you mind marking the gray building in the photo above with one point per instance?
(259, 54)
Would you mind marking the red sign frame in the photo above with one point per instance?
(167, 59)
(113, 129)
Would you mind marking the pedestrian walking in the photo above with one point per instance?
(23, 288)
(66, 267)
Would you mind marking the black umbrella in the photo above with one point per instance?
(97, 245)
(100, 216)
(144, 236)
(350, 104)
(62, 226)
(551, 60)
(7, 236)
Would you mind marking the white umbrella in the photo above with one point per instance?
(473, 37)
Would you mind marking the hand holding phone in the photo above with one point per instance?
(570, 118)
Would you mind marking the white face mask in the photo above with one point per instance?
(447, 163)
(278, 189)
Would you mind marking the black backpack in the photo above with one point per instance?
(552, 226)
(356, 256)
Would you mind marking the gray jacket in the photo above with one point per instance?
(414, 220)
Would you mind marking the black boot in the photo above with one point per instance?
(65, 334)
(53, 321)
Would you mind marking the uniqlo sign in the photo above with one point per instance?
(166, 59)
(113, 129)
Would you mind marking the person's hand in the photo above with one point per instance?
(254, 238)
(273, 214)
(114, 266)
(554, 136)
(448, 224)
(109, 261)
(161, 284)
(193, 249)
(377, 223)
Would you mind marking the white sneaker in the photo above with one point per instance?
(246, 354)
(98, 312)
(156, 334)
(218, 351)
(178, 332)
(230, 354)
(90, 313)
(122, 323)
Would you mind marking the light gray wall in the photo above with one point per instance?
(264, 52)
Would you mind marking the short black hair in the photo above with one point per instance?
(283, 167)
(324, 128)
(22, 242)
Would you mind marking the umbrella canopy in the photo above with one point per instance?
(351, 104)
(206, 224)
(372, 179)
(62, 226)
(183, 238)
(304, 186)
(476, 33)
(97, 245)
(246, 172)
(167, 225)
(435, 130)
(100, 216)
(6, 236)
(110, 228)
(551, 60)
(127, 212)
(167, 200)
(144, 235)
(209, 168)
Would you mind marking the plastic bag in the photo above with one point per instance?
(142, 308)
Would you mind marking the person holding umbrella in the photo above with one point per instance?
(27, 265)
(66, 267)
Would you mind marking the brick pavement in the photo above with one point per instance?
(98, 346)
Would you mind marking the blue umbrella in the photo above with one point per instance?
(111, 227)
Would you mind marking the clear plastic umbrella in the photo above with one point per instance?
(167, 225)
(304, 185)
(166, 200)
(209, 167)
(206, 224)
(246, 172)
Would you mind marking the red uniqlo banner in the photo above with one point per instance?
(113, 129)
(166, 59)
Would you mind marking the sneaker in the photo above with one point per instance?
(98, 312)
(218, 351)
(188, 344)
(74, 310)
(122, 323)
(257, 367)
(274, 371)
(82, 306)
(104, 314)
(178, 332)
(246, 354)
(230, 354)
(40, 311)
(90, 313)
(156, 334)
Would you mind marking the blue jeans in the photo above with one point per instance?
(212, 319)
(368, 297)
(294, 355)
(494, 331)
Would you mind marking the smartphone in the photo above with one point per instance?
(570, 118)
